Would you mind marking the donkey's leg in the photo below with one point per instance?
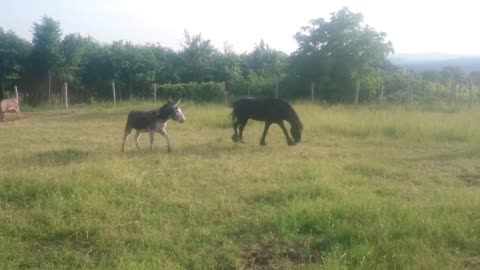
(151, 139)
(264, 135)
(285, 132)
(165, 134)
(137, 138)
(242, 126)
(125, 136)
(2, 116)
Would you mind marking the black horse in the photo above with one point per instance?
(270, 111)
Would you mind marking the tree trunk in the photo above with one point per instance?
(65, 91)
(113, 92)
(276, 87)
(381, 93)
(312, 91)
(356, 93)
(248, 90)
(155, 93)
(49, 87)
(470, 90)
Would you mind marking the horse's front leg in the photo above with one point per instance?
(137, 138)
(285, 132)
(264, 135)
(165, 134)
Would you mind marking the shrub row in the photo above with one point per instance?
(207, 91)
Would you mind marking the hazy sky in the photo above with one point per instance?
(414, 26)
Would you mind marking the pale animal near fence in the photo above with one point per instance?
(9, 105)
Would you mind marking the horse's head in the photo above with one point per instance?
(296, 131)
(176, 113)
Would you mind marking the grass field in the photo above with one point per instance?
(368, 188)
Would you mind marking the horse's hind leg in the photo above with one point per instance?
(125, 136)
(151, 140)
(264, 135)
(235, 137)
(285, 132)
(242, 126)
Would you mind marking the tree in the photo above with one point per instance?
(342, 51)
(46, 53)
(13, 53)
(267, 62)
(198, 56)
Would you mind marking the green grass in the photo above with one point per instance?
(368, 188)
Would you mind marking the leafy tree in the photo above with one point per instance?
(198, 55)
(13, 53)
(342, 51)
(46, 52)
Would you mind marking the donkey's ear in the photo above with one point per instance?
(178, 102)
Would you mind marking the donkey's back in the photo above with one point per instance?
(142, 120)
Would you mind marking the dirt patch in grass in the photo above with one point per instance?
(273, 253)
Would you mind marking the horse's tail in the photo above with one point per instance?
(233, 115)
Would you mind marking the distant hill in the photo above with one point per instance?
(435, 61)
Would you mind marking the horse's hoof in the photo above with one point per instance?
(235, 138)
(263, 143)
(291, 143)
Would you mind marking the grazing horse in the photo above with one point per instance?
(7, 105)
(151, 121)
(270, 111)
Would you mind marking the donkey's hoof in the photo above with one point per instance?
(291, 143)
(235, 138)
(263, 143)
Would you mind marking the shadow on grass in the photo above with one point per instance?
(57, 157)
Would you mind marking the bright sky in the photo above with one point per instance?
(414, 26)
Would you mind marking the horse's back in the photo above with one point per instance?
(261, 109)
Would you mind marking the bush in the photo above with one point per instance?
(208, 91)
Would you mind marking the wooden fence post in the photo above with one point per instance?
(357, 92)
(49, 87)
(470, 94)
(65, 90)
(312, 91)
(113, 91)
(155, 93)
(276, 86)
(381, 93)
